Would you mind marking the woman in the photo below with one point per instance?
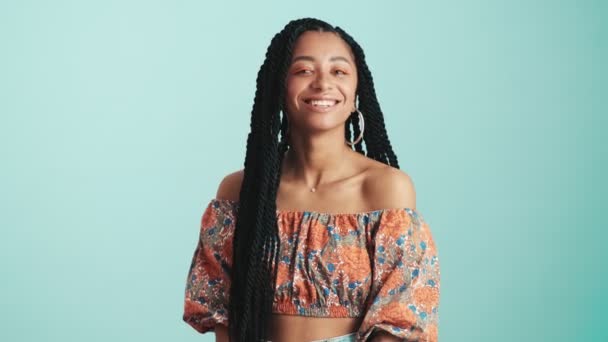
(312, 240)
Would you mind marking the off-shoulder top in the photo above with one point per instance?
(381, 265)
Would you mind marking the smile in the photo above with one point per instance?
(321, 105)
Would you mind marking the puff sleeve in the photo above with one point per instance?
(208, 282)
(404, 295)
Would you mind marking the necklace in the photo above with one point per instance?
(314, 188)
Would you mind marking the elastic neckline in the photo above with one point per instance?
(319, 213)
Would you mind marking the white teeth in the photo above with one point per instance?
(323, 103)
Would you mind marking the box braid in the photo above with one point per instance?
(376, 139)
(256, 240)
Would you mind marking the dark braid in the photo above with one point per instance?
(376, 139)
(256, 241)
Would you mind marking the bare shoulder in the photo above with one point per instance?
(230, 186)
(389, 187)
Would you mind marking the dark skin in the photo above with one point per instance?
(323, 68)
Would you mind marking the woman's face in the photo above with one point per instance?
(321, 82)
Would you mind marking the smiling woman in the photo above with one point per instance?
(322, 78)
(315, 239)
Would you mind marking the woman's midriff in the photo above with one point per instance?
(302, 328)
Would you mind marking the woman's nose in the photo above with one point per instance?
(321, 82)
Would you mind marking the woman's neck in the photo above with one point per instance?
(313, 164)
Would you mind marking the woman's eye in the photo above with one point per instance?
(303, 71)
(340, 72)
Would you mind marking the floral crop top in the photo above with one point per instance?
(381, 265)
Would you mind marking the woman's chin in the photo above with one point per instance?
(319, 127)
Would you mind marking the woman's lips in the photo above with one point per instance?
(320, 106)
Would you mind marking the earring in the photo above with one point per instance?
(284, 122)
(362, 124)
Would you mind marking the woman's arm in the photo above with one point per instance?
(221, 333)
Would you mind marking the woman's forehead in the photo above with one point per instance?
(321, 45)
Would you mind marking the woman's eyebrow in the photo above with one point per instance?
(312, 59)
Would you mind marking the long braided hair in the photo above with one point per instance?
(256, 240)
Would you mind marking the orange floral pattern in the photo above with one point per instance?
(381, 265)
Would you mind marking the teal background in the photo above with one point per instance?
(119, 119)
